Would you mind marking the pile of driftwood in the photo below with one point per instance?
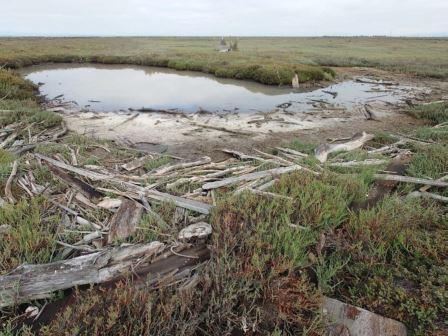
(125, 192)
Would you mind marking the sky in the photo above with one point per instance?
(228, 17)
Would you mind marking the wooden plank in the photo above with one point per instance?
(124, 222)
(250, 177)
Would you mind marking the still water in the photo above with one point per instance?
(123, 87)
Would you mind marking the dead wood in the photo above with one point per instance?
(80, 171)
(408, 179)
(8, 192)
(369, 162)
(223, 129)
(250, 177)
(110, 203)
(180, 201)
(151, 110)
(242, 156)
(31, 282)
(199, 230)
(158, 263)
(381, 188)
(426, 194)
(136, 163)
(82, 186)
(357, 141)
(277, 159)
(291, 151)
(166, 169)
(124, 222)
(369, 81)
(9, 139)
(61, 133)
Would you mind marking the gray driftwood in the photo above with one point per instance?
(250, 177)
(180, 201)
(408, 179)
(357, 141)
(124, 222)
(31, 282)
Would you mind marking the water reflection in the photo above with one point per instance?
(120, 87)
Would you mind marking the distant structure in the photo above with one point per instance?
(224, 47)
(295, 81)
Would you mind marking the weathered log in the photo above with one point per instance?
(124, 222)
(250, 177)
(180, 201)
(80, 171)
(357, 141)
(31, 282)
(408, 179)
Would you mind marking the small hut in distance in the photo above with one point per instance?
(227, 47)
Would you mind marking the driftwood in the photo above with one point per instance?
(9, 139)
(80, 171)
(82, 186)
(124, 222)
(291, 151)
(154, 260)
(8, 192)
(222, 129)
(427, 187)
(180, 201)
(357, 321)
(250, 177)
(357, 141)
(31, 282)
(110, 203)
(195, 231)
(166, 169)
(275, 158)
(369, 81)
(136, 163)
(381, 188)
(408, 179)
(369, 162)
(242, 156)
(426, 194)
(151, 110)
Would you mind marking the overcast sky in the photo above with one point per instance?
(228, 17)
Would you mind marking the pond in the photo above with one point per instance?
(124, 87)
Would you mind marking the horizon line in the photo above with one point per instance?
(2, 35)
